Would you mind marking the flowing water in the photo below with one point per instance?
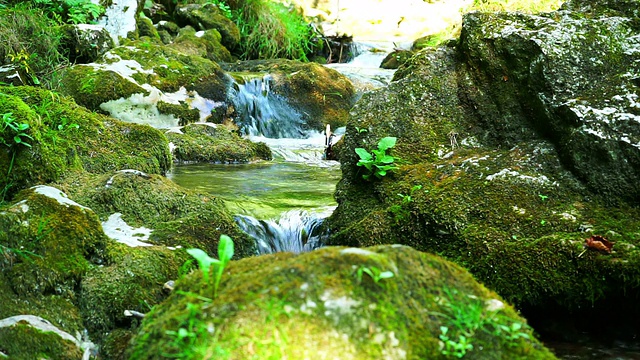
(280, 203)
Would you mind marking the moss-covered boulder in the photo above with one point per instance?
(321, 95)
(380, 302)
(493, 193)
(208, 16)
(157, 210)
(64, 137)
(47, 244)
(570, 76)
(50, 242)
(203, 43)
(131, 279)
(129, 81)
(213, 143)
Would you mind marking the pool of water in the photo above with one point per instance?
(263, 190)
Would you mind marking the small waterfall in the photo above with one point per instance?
(295, 231)
(263, 113)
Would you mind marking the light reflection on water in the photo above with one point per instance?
(263, 190)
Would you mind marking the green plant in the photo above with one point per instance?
(466, 315)
(375, 273)
(361, 130)
(71, 11)
(225, 253)
(452, 347)
(543, 197)
(270, 30)
(15, 129)
(401, 211)
(378, 162)
(224, 8)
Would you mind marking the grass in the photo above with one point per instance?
(30, 41)
(271, 30)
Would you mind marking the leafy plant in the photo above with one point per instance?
(71, 11)
(378, 162)
(16, 130)
(452, 347)
(401, 211)
(375, 273)
(224, 8)
(225, 253)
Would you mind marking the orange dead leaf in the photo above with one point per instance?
(597, 242)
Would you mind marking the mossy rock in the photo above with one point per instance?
(85, 43)
(325, 304)
(132, 279)
(395, 59)
(509, 211)
(66, 137)
(522, 80)
(177, 216)
(50, 242)
(143, 73)
(215, 144)
(146, 28)
(204, 43)
(22, 341)
(320, 94)
(207, 16)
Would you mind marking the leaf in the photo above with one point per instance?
(225, 249)
(386, 275)
(599, 243)
(386, 143)
(364, 154)
(386, 159)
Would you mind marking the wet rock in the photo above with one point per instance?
(65, 137)
(321, 95)
(381, 302)
(213, 143)
(395, 59)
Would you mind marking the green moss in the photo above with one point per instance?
(206, 45)
(23, 342)
(315, 303)
(182, 111)
(98, 144)
(132, 280)
(205, 143)
(88, 86)
(146, 28)
(55, 244)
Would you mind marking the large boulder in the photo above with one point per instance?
(381, 302)
(63, 137)
(571, 76)
(487, 183)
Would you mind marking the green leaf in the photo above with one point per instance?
(225, 249)
(386, 275)
(364, 154)
(386, 143)
(387, 159)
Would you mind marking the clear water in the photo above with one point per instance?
(263, 190)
